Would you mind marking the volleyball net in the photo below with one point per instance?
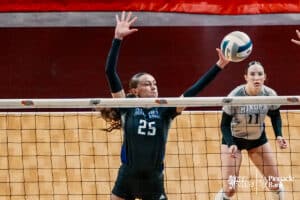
(68, 155)
(146, 102)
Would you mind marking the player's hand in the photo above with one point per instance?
(297, 41)
(281, 142)
(123, 25)
(222, 62)
(233, 149)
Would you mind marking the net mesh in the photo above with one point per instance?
(53, 155)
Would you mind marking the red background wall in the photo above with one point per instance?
(189, 6)
(69, 62)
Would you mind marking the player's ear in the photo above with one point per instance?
(245, 76)
(134, 91)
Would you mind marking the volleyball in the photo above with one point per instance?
(236, 46)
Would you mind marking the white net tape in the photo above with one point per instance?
(146, 102)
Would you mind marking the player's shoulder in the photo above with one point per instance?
(238, 91)
(267, 91)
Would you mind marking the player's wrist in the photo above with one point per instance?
(221, 64)
(279, 137)
(118, 37)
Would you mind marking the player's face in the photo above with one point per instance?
(255, 76)
(146, 87)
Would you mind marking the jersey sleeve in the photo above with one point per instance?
(170, 112)
(226, 129)
(113, 79)
(274, 113)
(276, 121)
(227, 115)
(228, 109)
(270, 92)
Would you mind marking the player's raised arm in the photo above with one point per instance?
(122, 29)
(206, 78)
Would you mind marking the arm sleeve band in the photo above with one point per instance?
(226, 129)
(111, 67)
(276, 121)
(202, 82)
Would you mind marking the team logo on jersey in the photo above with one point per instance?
(153, 114)
(253, 109)
(139, 112)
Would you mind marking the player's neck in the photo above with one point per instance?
(252, 91)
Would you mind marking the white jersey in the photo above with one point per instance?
(248, 120)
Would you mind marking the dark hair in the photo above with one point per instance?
(112, 116)
(135, 79)
(254, 62)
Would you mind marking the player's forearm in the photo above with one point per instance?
(111, 67)
(276, 122)
(226, 130)
(202, 82)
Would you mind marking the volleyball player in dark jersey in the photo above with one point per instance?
(298, 40)
(243, 128)
(145, 129)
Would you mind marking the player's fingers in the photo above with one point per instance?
(296, 41)
(123, 16)
(132, 20)
(298, 33)
(132, 30)
(117, 18)
(221, 55)
(128, 16)
(219, 52)
(282, 144)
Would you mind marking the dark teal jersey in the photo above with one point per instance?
(145, 136)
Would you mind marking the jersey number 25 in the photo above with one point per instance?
(146, 128)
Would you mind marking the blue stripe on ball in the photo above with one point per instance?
(244, 47)
(224, 45)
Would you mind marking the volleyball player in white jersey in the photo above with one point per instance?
(298, 35)
(243, 128)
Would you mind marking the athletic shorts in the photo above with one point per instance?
(147, 186)
(249, 144)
